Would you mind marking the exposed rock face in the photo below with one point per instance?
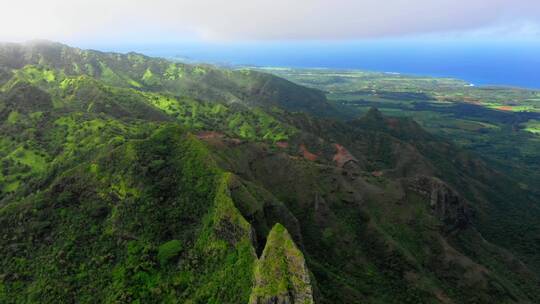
(343, 156)
(281, 275)
(262, 210)
(445, 203)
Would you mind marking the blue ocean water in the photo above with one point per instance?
(511, 63)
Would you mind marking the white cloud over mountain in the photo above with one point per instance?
(262, 20)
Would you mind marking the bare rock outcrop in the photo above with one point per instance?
(448, 205)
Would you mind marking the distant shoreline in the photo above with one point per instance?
(466, 83)
(482, 64)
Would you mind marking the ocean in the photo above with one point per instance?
(507, 63)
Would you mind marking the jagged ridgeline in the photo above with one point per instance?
(129, 179)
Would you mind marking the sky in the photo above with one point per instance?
(148, 21)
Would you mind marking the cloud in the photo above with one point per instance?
(146, 20)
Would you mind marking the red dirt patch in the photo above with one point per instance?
(377, 173)
(282, 144)
(235, 141)
(504, 108)
(307, 155)
(392, 123)
(209, 135)
(217, 138)
(342, 155)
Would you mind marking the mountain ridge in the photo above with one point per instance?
(134, 70)
(173, 190)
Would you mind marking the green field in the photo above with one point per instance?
(501, 124)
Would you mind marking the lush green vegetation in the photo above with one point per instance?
(532, 126)
(496, 122)
(281, 270)
(129, 179)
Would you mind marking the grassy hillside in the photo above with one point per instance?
(52, 62)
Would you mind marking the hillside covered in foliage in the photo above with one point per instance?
(130, 179)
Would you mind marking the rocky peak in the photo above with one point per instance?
(374, 114)
(445, 202)
(281, 274)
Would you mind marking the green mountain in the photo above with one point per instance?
(130, 179)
